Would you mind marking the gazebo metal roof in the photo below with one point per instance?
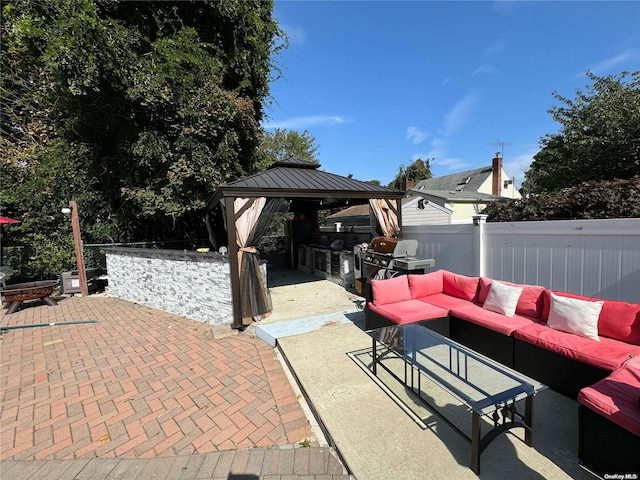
(307, 187)
(299, 179)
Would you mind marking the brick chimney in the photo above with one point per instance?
(408, 184)
(496, 186)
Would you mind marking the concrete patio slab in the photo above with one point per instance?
(379, 440)
(298, 295)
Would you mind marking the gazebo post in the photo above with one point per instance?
(234, 268)
(399, 214)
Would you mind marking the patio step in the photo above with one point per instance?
(272, 463)
(271, 332)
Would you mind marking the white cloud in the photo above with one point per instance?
(606, 66)
(506, 7)
(306, 122)
(416, 135)
(438, 150)
(438, 156)
(297, 36)
(519, 165)
(455, 119)
(499, 45)
(484, 69)
(453, 164)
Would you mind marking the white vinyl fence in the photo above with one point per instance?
(599, 258)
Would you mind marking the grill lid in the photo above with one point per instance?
(397, 247)
(384, 244)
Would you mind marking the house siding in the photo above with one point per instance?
(429, 215)
(509, 192)
(462, 212)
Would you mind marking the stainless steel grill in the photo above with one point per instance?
(393, 256)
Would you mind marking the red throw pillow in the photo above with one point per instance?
(425, 285)
(390, 290)
(529, 303)
(459, 285)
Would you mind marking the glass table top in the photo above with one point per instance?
(475, 380)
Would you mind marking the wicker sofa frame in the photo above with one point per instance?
(560, 373)
(604, 447)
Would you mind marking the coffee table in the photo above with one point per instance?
(484, 386)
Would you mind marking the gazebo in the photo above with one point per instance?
(289, 185)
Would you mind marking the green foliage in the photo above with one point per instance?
(418, 170)
(599, 137)
(282, 144)
(589, 200)
(136, 110)
(52, 256)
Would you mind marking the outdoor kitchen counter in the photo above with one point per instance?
(325, 262)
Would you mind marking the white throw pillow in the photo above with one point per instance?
(502, 298)
(576, 316)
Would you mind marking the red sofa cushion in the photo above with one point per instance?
(409, 311)
(607, 354)
(459, 286)
(427, 284)
(443, 300)
(529, 303)
(390, 290)
(491, 320)
(618, 320)
(616, 397)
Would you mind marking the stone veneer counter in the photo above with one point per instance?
(193, 284)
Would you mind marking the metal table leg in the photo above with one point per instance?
(528, 420)
(475, 443)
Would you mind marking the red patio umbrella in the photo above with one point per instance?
(7, 220)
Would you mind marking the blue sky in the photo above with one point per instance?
(379, 84)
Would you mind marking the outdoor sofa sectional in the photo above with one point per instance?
(585, 348)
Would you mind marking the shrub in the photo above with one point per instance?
(589, 200)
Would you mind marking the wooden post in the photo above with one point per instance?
(399, 215)
(77, 241)
(234, 268)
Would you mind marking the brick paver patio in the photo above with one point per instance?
(138, 383)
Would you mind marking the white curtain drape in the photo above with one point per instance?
(247, 221)
(254, 301)
(387, 217)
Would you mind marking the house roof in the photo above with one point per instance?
(453, 196)
(298, 179)
(417, 198)
(354, 211)
(363, 210)
(469, 181)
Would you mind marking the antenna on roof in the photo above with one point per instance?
(501, 144)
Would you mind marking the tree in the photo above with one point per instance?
(137, 110)
(599, 138)
(282, 144)
(418, 170)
